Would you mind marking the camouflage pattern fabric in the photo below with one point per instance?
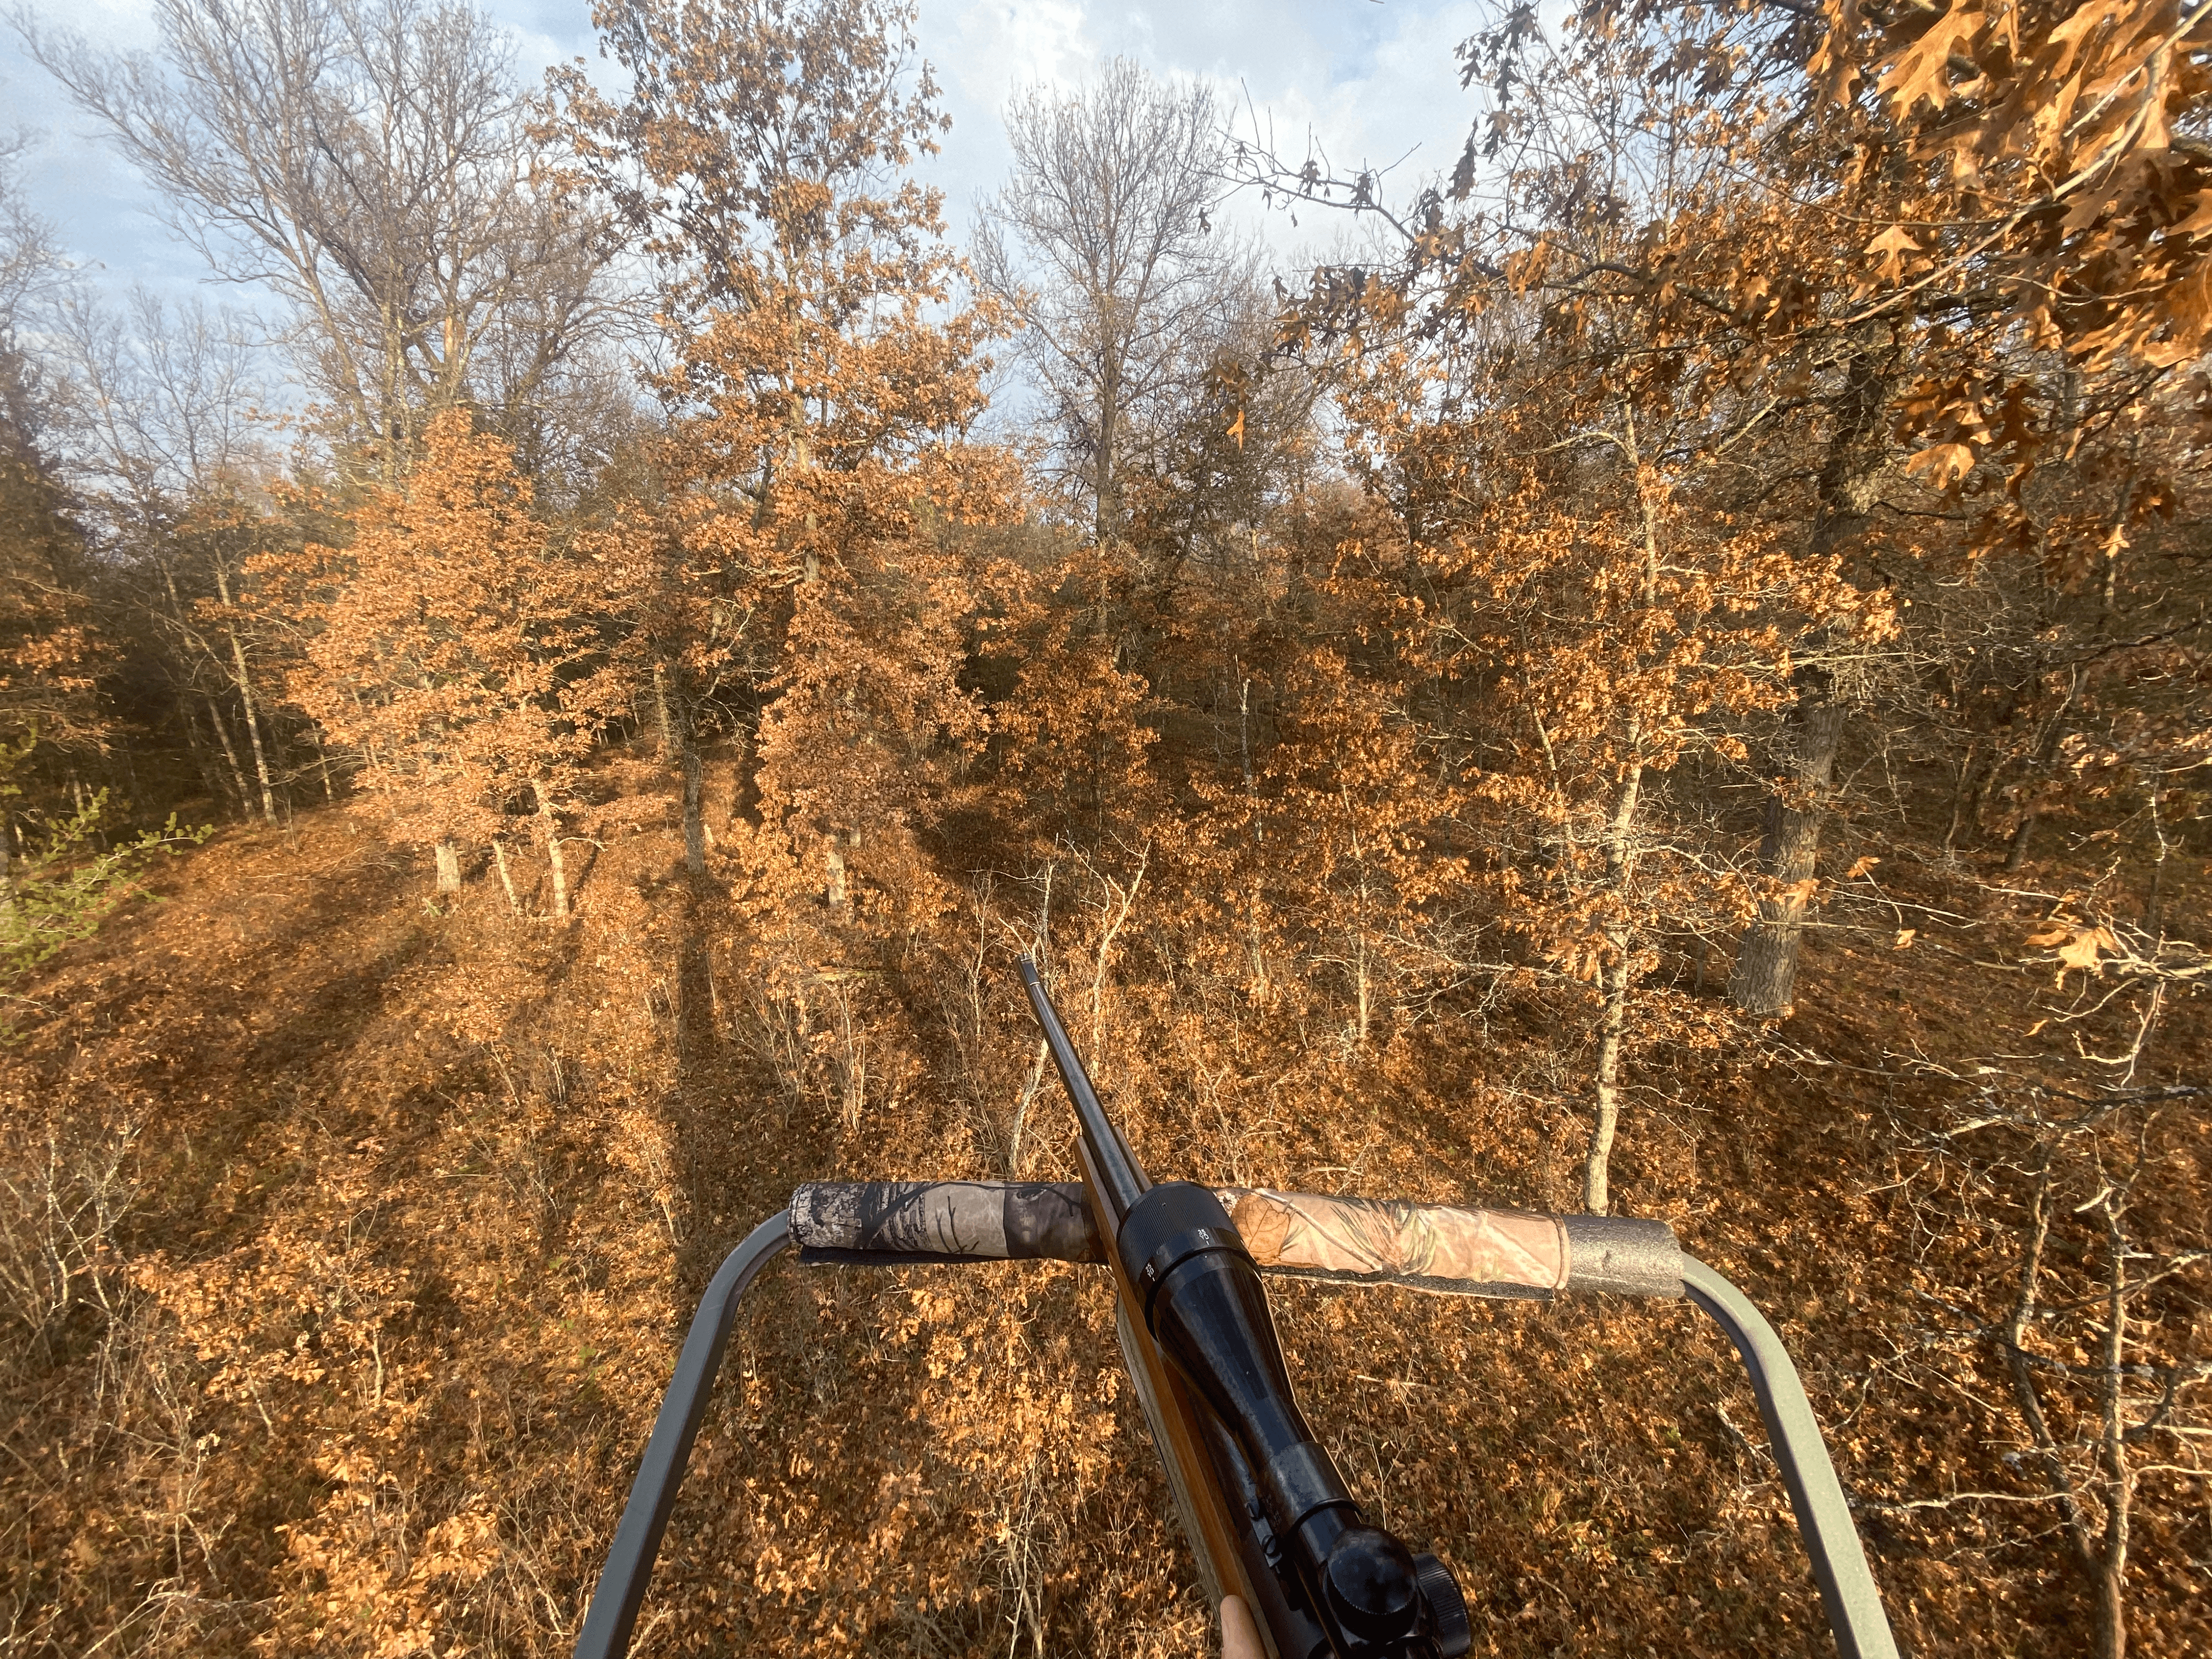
(1494, 1253)
(946, 1220)
(1498, 1252)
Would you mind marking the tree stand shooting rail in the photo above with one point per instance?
(1266, 1514)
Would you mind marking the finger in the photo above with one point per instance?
(1240, 1637)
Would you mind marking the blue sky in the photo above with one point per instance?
(1372, 80)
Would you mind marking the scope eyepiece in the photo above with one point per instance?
(1204, 1307)
(1373, 1585)
(1340, 1586)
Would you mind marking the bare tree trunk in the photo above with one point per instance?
(1618, 977)
(254, 732)
(558, 859)
(246, 697)
(1111, 193)
(662, 708)
(1614, 985)
(1765, 977)
(1613, 1029)
(1965, 792)
(553, 855)
(7, 874)
(2120, 1472)
(208, 778)
(2154, 901)
(1107, 517)
(230, 754)
(1977, 807)
(449, 867)
(694, 822)
(506, 876)
(1022, 1111)
(679, 748)
(2112, 1610)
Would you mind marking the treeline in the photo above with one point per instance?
(1755, 495)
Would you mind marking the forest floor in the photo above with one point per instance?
(388, 1216)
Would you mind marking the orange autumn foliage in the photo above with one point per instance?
(463, 657)
(1389, 797)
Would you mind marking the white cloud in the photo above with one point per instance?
(1369, 81)
(1371, 84)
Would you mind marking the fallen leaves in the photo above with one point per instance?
(2076, 945)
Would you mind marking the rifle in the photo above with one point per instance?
(1267, 1514)
(1265, 1509)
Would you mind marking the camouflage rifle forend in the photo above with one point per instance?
(1508, 1255)
(1268, 1516)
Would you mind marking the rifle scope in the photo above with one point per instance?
(1203, 1305)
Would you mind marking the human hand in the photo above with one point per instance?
(1240, 1637)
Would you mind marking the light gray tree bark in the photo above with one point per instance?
(370, 162)
(1101, 242)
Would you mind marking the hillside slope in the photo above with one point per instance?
(374, 1226)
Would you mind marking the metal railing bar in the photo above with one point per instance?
(621, 1592)
(1824, 1519)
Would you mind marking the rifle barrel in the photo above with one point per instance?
(1124, 1182)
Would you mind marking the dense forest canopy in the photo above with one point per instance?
(1669, 677)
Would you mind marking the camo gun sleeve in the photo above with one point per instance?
(896, 1221)
(1493, 1253)
(1428, 1246)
